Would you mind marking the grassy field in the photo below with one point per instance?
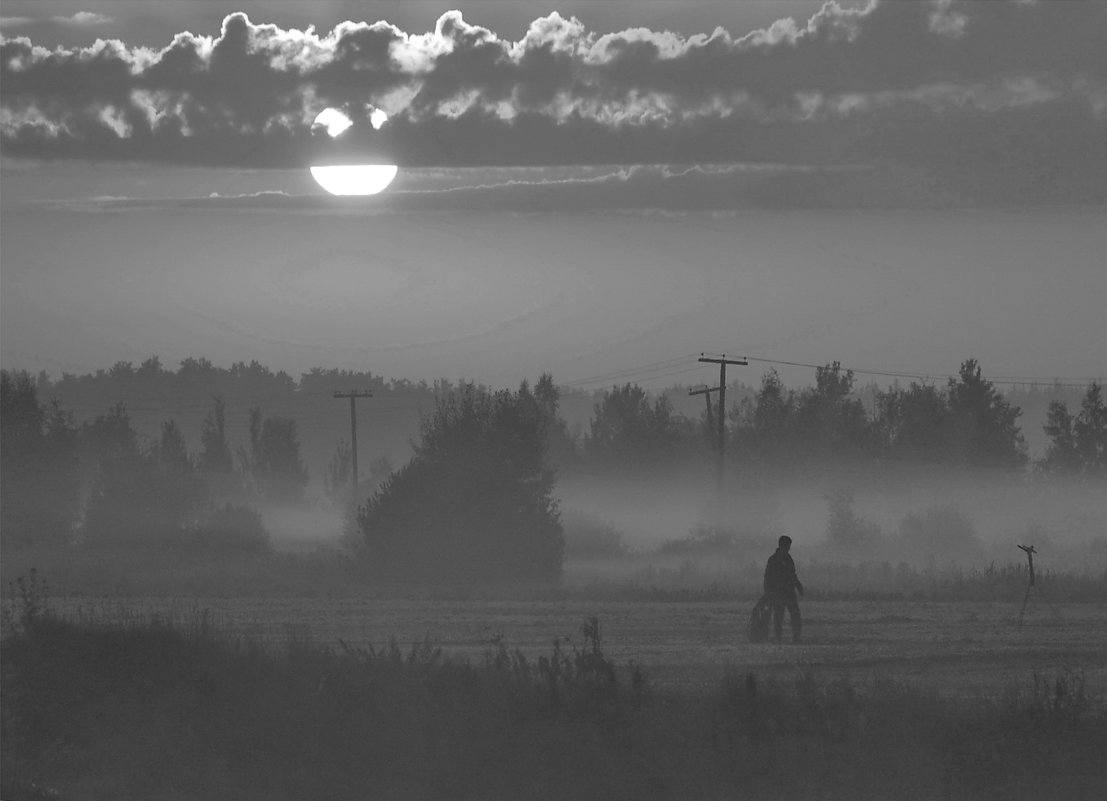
(167, 702)
(960, 649)
(500, 696)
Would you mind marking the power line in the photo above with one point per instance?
(1029, 381)
(660, 369)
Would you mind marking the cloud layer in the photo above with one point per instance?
(1011, 96)
(646, 188)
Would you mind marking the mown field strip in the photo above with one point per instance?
(960, 649)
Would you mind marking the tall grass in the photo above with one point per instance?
(159, 710)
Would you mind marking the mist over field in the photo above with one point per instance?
(634, 495)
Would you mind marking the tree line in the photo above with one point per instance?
(477, 496)
(965, 423)
(100, 483)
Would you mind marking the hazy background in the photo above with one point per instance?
(600, 191)
(500, 295)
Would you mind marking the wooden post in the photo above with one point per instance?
(353, 395)
(1029, 550)
(706, 392)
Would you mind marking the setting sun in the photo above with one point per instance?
(354, 179)
(351, 179)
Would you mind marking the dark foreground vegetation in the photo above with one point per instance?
(155, 710)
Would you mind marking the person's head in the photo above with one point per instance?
(784, 543)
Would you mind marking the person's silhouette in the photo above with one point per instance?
(781, 586)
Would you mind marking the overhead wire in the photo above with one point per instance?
(1035, 381)
(659, 369)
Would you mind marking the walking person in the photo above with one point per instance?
(781, 586)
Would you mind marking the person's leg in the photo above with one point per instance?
(778, 618)
(794, 618)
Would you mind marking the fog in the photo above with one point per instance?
(147, 491)
(1066, 519)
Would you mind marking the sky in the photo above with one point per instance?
(601, 190)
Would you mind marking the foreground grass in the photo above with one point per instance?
(159, 711)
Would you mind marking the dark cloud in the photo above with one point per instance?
(824, 90)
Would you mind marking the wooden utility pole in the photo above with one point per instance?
(722, 361)
(353, 395)
(706, 392)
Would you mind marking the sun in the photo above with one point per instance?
(350, 179)
(354, 179)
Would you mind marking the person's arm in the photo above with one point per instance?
(795, 579)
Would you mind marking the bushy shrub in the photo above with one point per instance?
(463, 518)
(233, 528)
(476, 502)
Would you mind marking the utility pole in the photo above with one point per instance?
(706, 392)
(353, 395)
(722, 361)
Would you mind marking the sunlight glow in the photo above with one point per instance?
(333, 120)
(351, 179)
(354, 179)
(377, 119)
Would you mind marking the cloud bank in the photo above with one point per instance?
(1006, 98)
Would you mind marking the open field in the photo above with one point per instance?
(963, 649)
(165, 700)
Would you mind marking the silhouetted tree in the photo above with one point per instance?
(273, 461)
(915, 424)
(181, 492)
(216, 454)
(829, 419)
(984, 423)
(627, 428)
(1078, 443)
(969, 423)
(39, 466)
(1091, 431)
(561, 445)
(476, 501)
(783, 428)
(138, 496)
